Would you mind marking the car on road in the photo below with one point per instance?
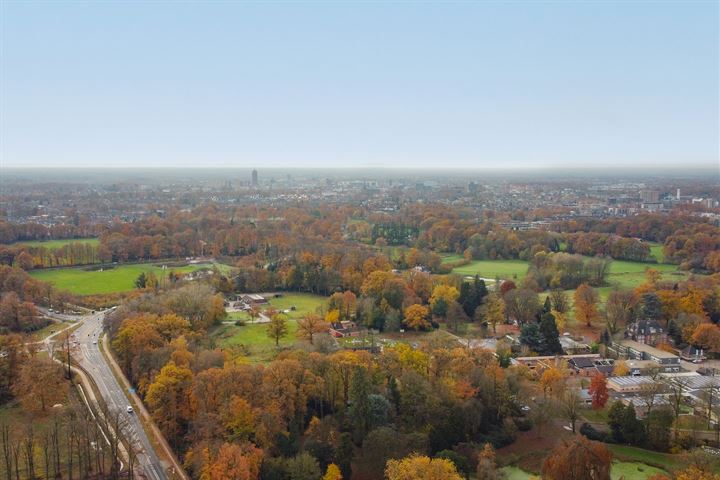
(94, 342)
(129, 409)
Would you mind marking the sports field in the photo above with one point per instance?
(121, 278)
(55, 244)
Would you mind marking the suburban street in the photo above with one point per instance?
(89, 356)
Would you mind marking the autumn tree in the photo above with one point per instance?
(277, 327)
(693, 472)
(578, 459)
(40, 384)
(309, 325)
(707, 336)
(559, 300)
(586, 299)
(570, 406)
(598, 391)
(620, 309)
(234, 462)
(168, 400)
(332, 473)
(456, 317)
(441, 298)
(522, 305)
(417, 467)
(493, 310)
(254, 312)
(486, 468)
(621, 368)
(416, 317)
(552, 381)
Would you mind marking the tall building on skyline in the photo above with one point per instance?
(254, 178)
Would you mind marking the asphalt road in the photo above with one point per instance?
(88, 355)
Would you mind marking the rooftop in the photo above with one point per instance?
(656, 352)
(630, 381)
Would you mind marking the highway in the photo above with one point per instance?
(89, 356)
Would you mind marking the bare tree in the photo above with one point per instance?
(570, 406)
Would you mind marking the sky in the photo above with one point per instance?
(359, 84)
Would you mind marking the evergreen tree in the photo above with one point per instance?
(550, 335)
(141, 280)
(530, 335)
(360, 408)
(674, 332)
(651, 306)
(394, 394)
(547, 306)
(616, 417)
(632, 428)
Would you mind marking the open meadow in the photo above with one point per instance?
(505, 269)
(253, 338)
(55, 244)
(120, 278)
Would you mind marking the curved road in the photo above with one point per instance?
(92, 360)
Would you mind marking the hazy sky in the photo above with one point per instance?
(406, 84)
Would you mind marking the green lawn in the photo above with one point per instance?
(635, 454)
(656, 250)
(55, 244)
(515, 473)
(505, 269)
(304, 303)
(82, 281)
(626, 470)
(451, 257)
(633, 471)
(253, 339)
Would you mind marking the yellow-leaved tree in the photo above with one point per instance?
(417, 467)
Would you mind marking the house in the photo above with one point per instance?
(692, 354)
(583, 366)
(649, 332)
(346, 328)
(252, 299)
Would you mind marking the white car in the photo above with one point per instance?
(129, 409)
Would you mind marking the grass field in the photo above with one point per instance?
(634, 454)
(304, 303)
(656, 250)
(54, 244)
(451, 257)
(624, 470)
(91, 282)
(515, 473)
(627, 274)
(633, 471)
(505, 269)
(253, 337)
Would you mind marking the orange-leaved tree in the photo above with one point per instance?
(586, 299)
(598, 391)
(578, 459)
